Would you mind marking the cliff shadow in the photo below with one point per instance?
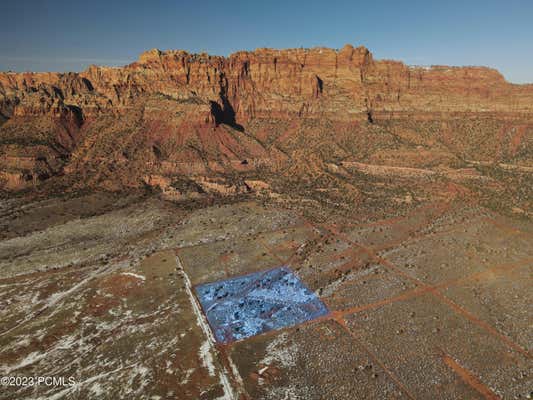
(225, 114)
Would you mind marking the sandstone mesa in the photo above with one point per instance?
(172, 113)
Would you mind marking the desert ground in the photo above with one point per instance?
(427, 300)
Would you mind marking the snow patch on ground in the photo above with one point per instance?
(28, 360)
(188, 374)
(141, 277)
(279, 352)
(206, 357)
(36, 356)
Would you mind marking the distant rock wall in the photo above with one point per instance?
(171, 103)
(267, 82)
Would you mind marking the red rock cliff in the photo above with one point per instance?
(173, 101)
(266, 82)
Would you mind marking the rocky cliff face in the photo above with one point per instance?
(173, 113)
(268, 82)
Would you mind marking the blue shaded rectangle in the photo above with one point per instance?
(248, 305)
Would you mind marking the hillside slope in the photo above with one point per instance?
(195, 123)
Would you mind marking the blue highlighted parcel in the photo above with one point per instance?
(248, 305)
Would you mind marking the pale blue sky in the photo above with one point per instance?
(57, 35)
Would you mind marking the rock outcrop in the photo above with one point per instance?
(179, 113)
